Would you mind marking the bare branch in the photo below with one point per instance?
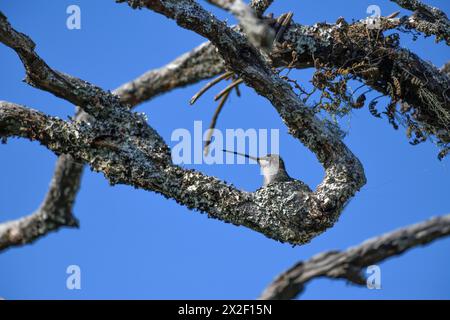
(258, 32)
(38, 74)
(55, 212)
(260, 6)
(349, 264)
(344, 173)
(381, 63)
(192, 67)
(426, 19)
(423, 89)
(199, 64)
(20, 121)
(56, 209)
(128, 151)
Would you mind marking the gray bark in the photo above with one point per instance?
(391, 70)
(349, 264)
(55, 211)
(112, 139)
(426, 19)
(121, 145)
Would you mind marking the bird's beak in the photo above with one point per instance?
(242, 154)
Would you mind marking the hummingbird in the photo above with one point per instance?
(272, 167)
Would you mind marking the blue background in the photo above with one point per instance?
(135, 244)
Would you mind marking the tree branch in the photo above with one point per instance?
(127, 151)
(383, 66)
(257, 31)
(38, 74)
(344, 173)
(426, 19)
(313, 212)
(260, 6)
(192, 67)
(20, 121)
(349, 264)
(380, 63)
(55, 211)
(201, 63)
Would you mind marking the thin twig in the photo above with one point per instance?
(286, 21)
(212, 125)
(209, 85)
(228, 89)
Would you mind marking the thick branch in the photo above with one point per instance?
(201, 63)
(55, 211)
(257, 31)
(192, 67)
(344, 173)
(260, 5)
(137, 161)
(127, 151)
(426, 19)
(90, 98)
(183, 71)
(349, 264)
(383, 66)
(19, 121)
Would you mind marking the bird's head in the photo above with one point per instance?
(271, 164)
(272, 167)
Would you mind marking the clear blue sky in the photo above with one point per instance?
(135, 244)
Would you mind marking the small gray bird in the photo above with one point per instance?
(272, 167)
